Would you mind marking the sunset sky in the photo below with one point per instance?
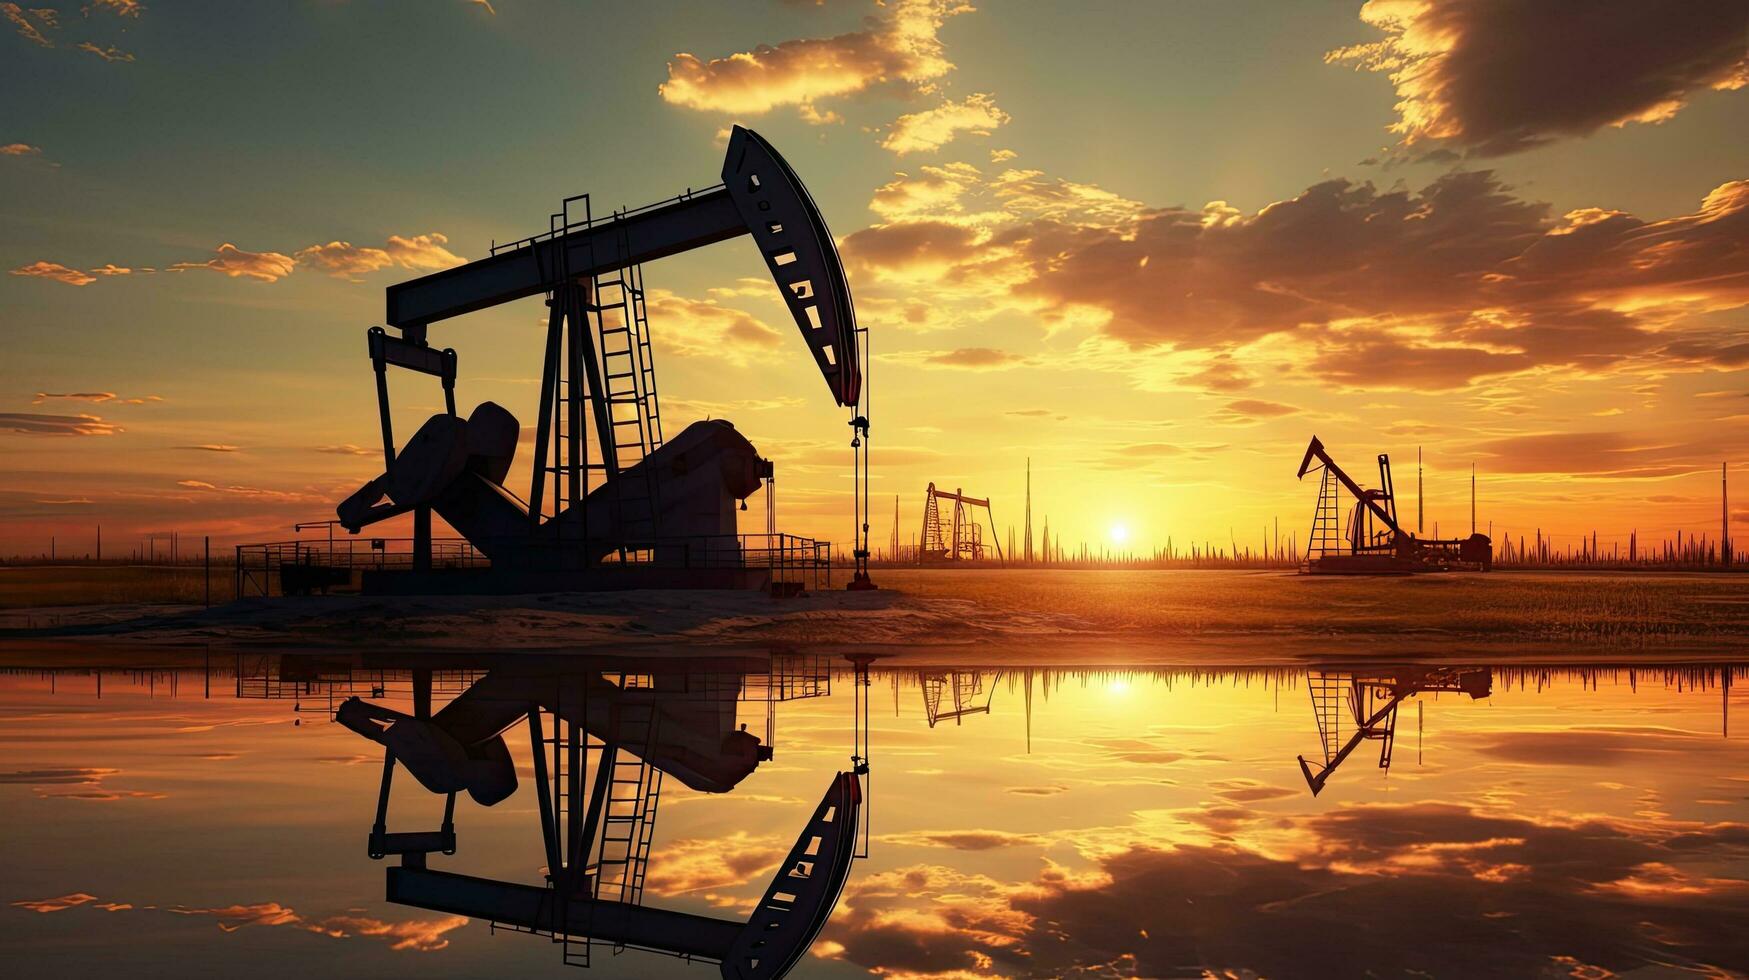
(1153, 247)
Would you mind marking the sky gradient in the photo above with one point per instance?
(1154, 248)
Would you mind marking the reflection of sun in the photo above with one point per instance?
(1117, 687)
(1120, 533)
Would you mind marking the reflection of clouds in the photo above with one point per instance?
(422, 935)
(1600, 746)
(1458, 891)
(707, 867)
(85, 782)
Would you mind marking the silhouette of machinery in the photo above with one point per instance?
(604, 733)
(632, 493)
(1352, 708)
(1372, 542)
(960, 538)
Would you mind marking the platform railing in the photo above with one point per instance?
(303, 566)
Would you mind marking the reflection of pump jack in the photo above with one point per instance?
(614, 734)
(1351, 708)
(964, 688)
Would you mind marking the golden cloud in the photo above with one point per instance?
(56, 425)
(44, 19)
(96, 397)
(236, 263)
(900, 50)
(56, 272)
(1495, 77)
(348, 261)
(20, 150)
(704, 328)
(932, 129)
(107, 53)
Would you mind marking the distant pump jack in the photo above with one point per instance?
(1371, 542)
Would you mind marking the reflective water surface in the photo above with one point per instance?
(1448, 819)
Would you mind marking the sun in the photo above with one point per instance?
(1120, 532)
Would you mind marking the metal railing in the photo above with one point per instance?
(301, 567)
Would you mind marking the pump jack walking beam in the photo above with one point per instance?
(1316, 451)
(760, 196)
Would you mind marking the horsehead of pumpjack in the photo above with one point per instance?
(686, 487)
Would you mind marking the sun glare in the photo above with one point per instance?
(1120, 533)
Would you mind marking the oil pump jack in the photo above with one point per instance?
(1374, 543)
(1353, 707)
(963, 538)
(630, 497)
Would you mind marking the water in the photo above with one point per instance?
(1570, 820)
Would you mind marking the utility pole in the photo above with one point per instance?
(1418, 509)
(1724, 514)
(1029, 510)
(1472, 498)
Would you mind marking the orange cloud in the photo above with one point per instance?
(932, 129)
(1496, 77)
(900, 50)
(348, 261)
(704, 328)
(109, 53)
(56, 425)
(55, 271)
(121, 8)
(60, 904)
(98, 397)
(962, 359)
(235, 262)
(45, 19)
(20, 150)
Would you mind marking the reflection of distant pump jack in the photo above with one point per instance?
(964, 691)
(603, 738)
(1351, 708)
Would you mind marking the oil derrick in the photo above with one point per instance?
(959, 537)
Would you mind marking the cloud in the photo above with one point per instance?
(704, 328)
(60, 904)
(240, 490)
(961, 359)
(486, 4)
(1495, 78)
(96, 397)
(418, 935)
(235, 262)
(348, 261)
(55, 271)
(1613, 454)
(964, 840)
(121, 8)
(214, 447)
(20, 150)
(1254, 410)
(347, 449)
(44, 19)
(695, 866)
(932, 129)
(56, 425)
(899, 51)
(109, 53)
